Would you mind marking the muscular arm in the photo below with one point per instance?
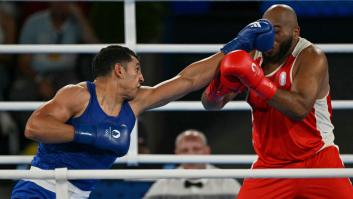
(193, 77)
(310, 82)
(47, 123)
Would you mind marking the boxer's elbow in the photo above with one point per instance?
(296, 107)
(298, 116)
(299, 113)
(32, 130)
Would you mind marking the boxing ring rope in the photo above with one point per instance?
(141, 48)
(62, 175)
(174, 173)
(165, 159)
(172, 106)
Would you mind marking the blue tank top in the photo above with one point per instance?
(81, 156)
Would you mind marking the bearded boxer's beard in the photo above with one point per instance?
(283, 51)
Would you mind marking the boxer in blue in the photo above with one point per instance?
(88, 125)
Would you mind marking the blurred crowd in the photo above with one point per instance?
(37, 77)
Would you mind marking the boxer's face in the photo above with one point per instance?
(285, 37)
(133, 78)
(283, 43)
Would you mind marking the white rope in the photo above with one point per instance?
(164, 159)
(131, 157)
(130, 24)
(177, 159)
(94, 48)
(130, 41)
(19, 106)
(61, 183)
(16, 159)
(141, 48)
(179, 173)
(173, 106)
(197, 106)
(213, 159)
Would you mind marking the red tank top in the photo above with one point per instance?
(279, 140)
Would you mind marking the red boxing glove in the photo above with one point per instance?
(239, 64)
(220, 86)
(232, 83)
(215, 90)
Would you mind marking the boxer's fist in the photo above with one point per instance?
(232, 83)
(264, 41)
(258, 34)
(239, 64)
(215, 90)
(104, 136)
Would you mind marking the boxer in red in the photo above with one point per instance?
(289, 93)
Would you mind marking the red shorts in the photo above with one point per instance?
(313, 188)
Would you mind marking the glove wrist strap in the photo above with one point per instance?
(266, 89)
(235, 44)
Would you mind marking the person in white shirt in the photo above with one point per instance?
(193, 142)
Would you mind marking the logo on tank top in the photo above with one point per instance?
(282, 78)
(253, 67)
(113, 133)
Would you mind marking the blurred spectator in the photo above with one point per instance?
(62, 23)
(8, 128)
(193, 142)
(42, 74)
